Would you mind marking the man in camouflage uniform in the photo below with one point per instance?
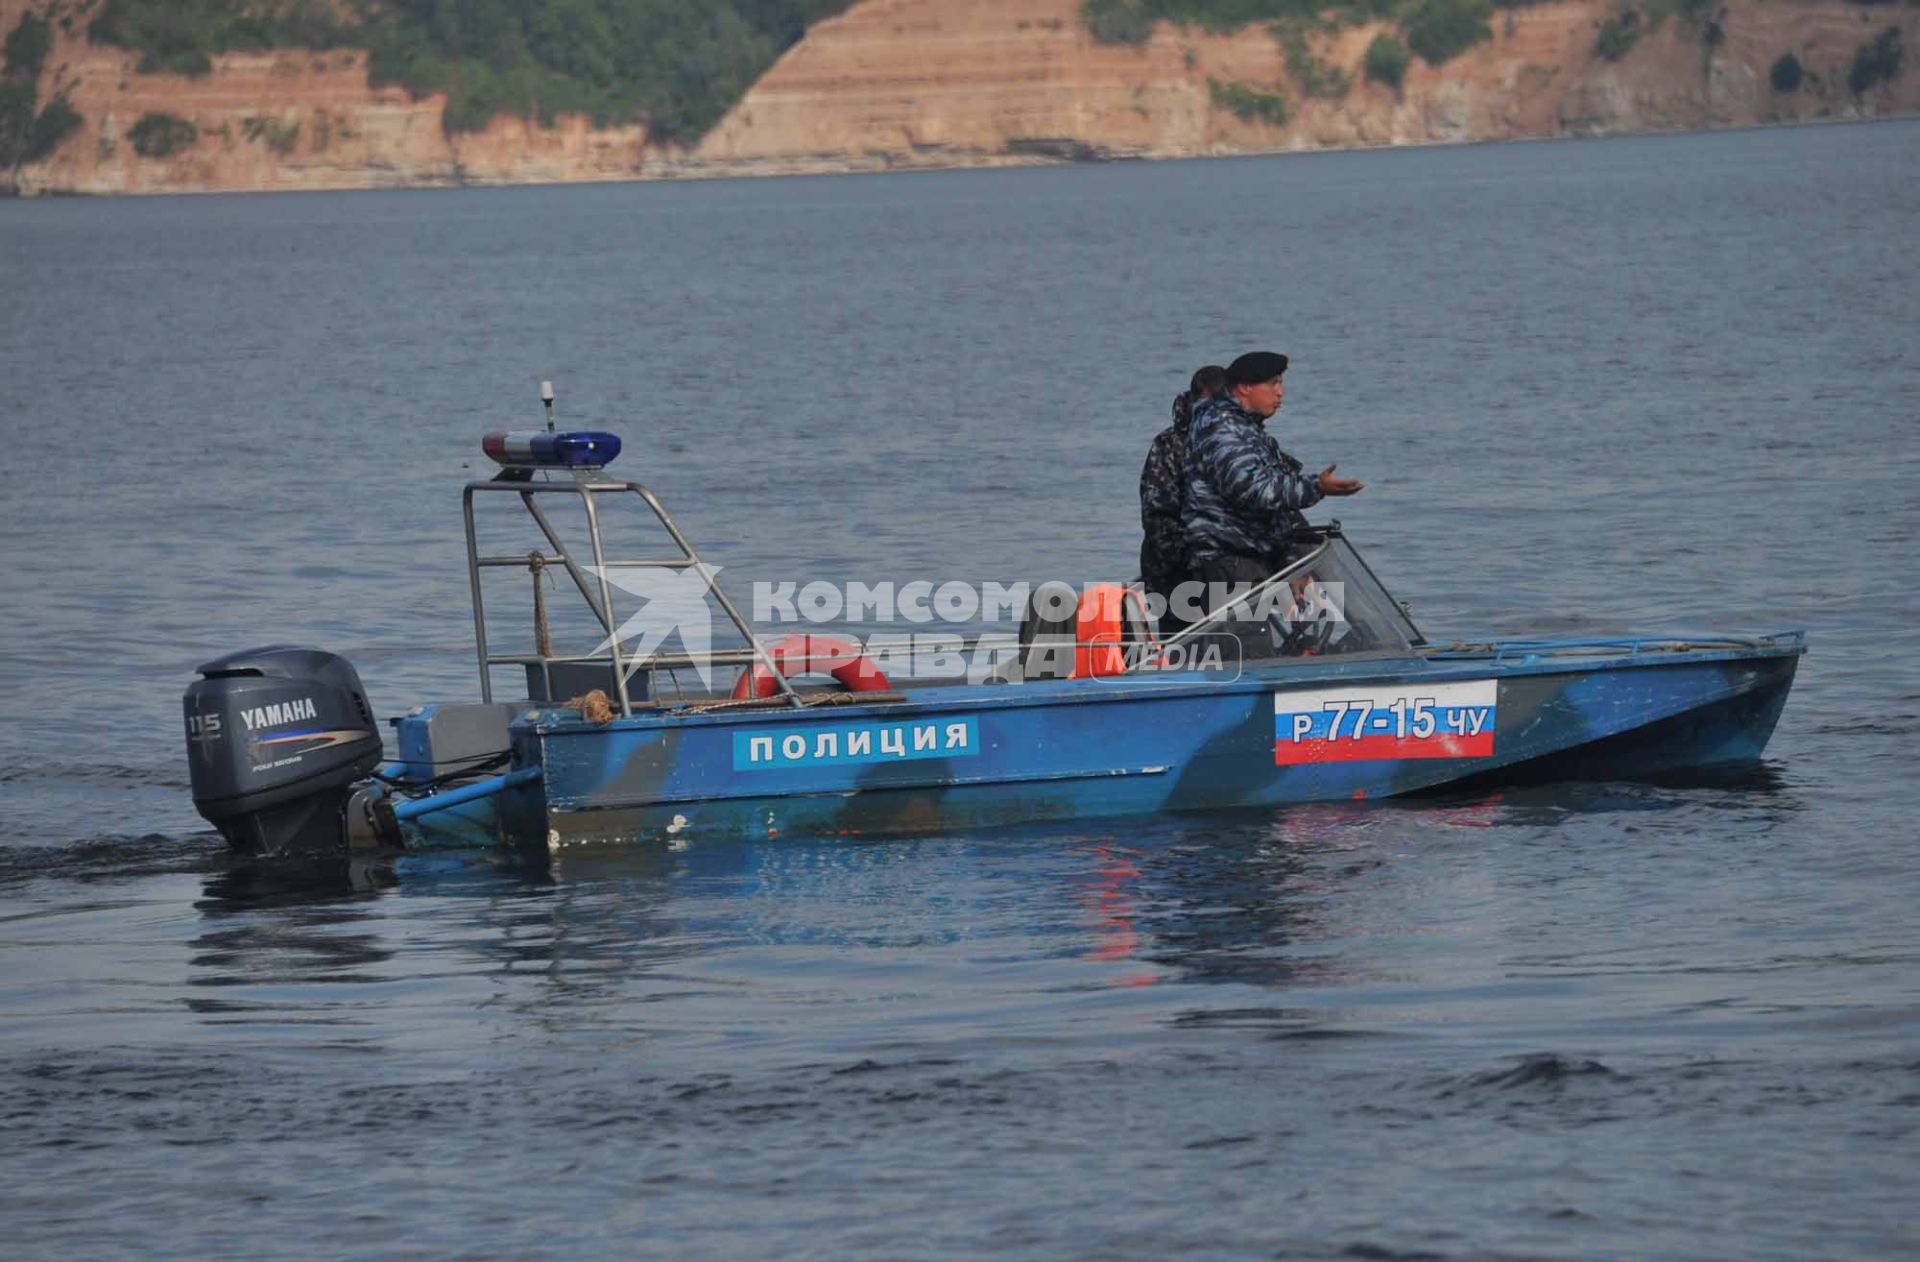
(1163, 495)
(1244, 495)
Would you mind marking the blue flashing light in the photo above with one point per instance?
(576, 449)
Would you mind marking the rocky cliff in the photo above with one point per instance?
(927, 83)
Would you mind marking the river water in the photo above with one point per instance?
(1652, 384)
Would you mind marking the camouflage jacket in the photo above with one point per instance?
(1163, 496)
(1244, 495)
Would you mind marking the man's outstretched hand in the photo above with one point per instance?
(1330, 485)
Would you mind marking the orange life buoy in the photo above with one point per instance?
(1112, 621)
(813, 655)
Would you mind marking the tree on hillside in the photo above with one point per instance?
(676, 65)
(29, 133)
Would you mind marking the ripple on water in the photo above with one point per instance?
(1598, 1021)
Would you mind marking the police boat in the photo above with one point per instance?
(1315, 685)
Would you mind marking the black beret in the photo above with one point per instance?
(1255, 367)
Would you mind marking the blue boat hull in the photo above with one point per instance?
(974, 757)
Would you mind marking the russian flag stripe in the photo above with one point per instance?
(1287, 753)
(1375, 724)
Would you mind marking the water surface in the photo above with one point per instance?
(1657, 384)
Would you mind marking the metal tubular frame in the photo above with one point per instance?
(589, 484)
(573, 571)
(597, 592)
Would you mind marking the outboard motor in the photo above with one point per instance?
(276, 738)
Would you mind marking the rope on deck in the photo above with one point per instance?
(594, 706)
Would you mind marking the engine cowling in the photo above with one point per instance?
(276, 738)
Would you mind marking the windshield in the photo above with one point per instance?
(1327, 603)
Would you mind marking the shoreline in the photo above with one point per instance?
(798, 169)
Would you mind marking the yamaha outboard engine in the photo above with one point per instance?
(276, 738)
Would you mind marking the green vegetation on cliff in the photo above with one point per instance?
(1247, 103)
(181, 35)
(1436, 30)
(1132, 21)
(1787, 73)
(159, 135)
(1875, 62)
(28, 132)
(676, 65)
(28, 44)
(1386, 61)
(1618, 35)
(1440, 30)
(1313, 76)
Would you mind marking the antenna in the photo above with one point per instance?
(546, 397)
